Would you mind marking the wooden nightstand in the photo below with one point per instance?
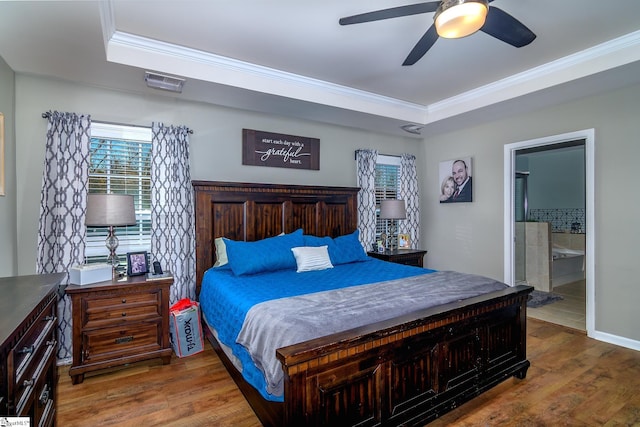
(119, 322)
(401, 256)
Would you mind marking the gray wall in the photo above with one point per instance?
(216, 145)
(557, 178)
(469, 236)
(8, 245)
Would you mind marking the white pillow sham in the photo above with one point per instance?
(310, 258)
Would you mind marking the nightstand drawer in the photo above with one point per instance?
(113, 343)
(128, 307)
(408, 260)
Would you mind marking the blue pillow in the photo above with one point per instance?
(347, 249)
(270, 254)
(316, 241)
(342, 250)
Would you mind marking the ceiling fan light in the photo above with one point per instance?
(460, 18)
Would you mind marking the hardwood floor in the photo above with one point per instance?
(573, 381)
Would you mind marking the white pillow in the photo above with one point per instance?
(221, 253)
(309, 258)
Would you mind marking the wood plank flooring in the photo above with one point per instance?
(573, 381)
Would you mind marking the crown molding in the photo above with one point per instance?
(605, 56)
(134, 50)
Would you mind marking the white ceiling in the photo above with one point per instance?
(292, 58)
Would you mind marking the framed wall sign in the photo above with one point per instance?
(261, 148)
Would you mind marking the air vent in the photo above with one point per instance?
(164, 82)
(412, 128)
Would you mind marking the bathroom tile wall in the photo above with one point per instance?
(561, 220)
(533, 243)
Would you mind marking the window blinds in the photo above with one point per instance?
(121, 166)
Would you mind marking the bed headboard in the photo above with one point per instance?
(249, 212)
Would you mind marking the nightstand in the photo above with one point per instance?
(401, 256)
(119, 322)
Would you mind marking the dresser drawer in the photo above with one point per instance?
(45, 404)
(117, 342)
(34, 366)
(29, 356)
(101, 311)
(23, 353)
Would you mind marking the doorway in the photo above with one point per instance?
(514, 186)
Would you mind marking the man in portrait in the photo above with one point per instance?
(460, 173)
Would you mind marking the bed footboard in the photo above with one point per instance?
(407, 371)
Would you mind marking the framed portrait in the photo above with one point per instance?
(455, 180)
(404, 241)
(137, 263)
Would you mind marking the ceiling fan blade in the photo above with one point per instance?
(394, 12)
(423, 45)
(505, 27)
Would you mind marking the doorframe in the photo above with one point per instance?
(509, 210)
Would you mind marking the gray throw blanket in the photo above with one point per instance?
(282, 322)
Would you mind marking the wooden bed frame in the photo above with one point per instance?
(404, 371)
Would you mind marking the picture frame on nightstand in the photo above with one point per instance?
(137, 263)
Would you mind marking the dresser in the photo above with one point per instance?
(28, 337)
(401, 256)
(119, 322)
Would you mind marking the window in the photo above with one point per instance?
(120, 163)
(387, 184)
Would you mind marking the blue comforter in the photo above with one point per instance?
(225, 298)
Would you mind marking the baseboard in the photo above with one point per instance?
(615, 339)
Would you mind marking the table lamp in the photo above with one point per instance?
(110, 210)
(393, 210)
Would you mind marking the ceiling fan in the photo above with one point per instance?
(453, 19)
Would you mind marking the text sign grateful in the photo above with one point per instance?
(278, 150)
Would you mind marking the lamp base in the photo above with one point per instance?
(112, 244)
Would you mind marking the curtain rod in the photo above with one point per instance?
(48, 114)
(355, 154)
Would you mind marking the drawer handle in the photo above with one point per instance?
(44, 396)
(124, 339)
(28, 383)
(27, 350)
(124, 300)
(124, 313)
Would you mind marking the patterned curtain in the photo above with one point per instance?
(172, 215)
(63, 205)
(409, 193)
(366, 180)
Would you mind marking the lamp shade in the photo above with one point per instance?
(393, 209)
(104, 210)
(460, 18)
